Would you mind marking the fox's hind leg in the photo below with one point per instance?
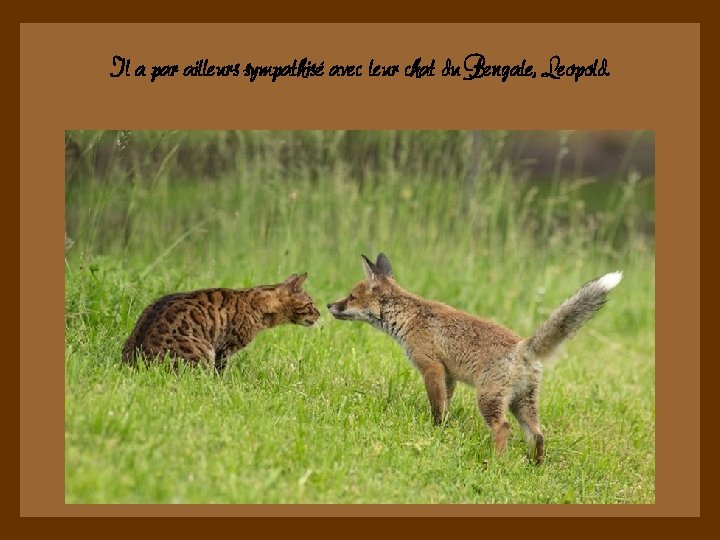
(493, 387)
(526, 411)
(492, 407)
(450, 384)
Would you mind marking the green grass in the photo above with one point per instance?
(335, 413)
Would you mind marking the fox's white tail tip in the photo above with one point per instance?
(610, 281)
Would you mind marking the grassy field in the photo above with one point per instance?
(335, 413)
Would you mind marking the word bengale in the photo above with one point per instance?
(476, 66)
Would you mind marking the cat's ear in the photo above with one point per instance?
(383, 266)
(300, 280)
(369, 269)
(294, 282)
(290, 282)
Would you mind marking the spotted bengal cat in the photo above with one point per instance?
(211, 324)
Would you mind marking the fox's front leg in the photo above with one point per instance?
(437, 388)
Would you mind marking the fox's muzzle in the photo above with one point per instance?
(337, 309)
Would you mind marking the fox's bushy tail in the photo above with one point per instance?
(570, 316)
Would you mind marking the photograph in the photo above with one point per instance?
(359, 317)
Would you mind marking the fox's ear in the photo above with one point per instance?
(382, 266)
(369, 268)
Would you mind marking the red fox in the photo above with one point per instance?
(448, 345)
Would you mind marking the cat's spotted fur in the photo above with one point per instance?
(212, 324)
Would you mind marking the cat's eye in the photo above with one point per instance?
(351, 298)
